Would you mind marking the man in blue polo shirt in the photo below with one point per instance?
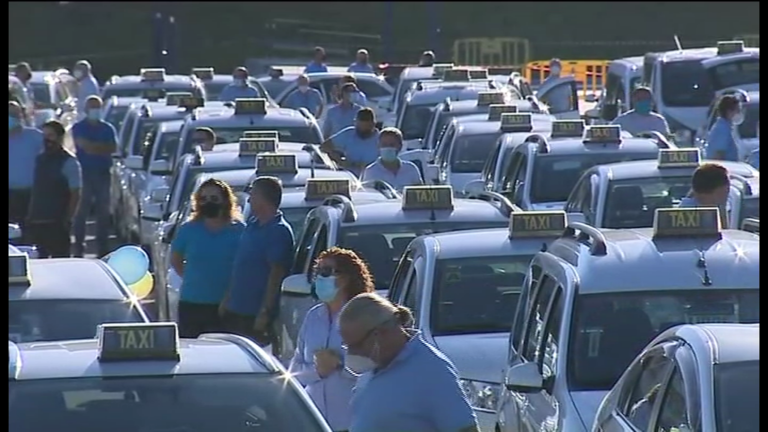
(87, 85)
(361, 64)
(342, 115)
(264, 257)
(358, 144)
(305, 97)
(318, 62)
(95, 141)
(710, 186)
(240, 88)
(389, 167)
(24, 144)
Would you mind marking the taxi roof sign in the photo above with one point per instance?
(683, 157)
(456, 75)
(254, 146)
(478, 74)
(138, 341)
(172, 98)
(153, 94)
(439, 68)
(250, 106)
(319, 189)
(267, 163)
(537, 224)
(496, 110)
(428, 198)
(18, 268)
(603, 134)
(686, 222)
(152, 74)
(191, 102)
(490, 97)
(262, 134)
(203, 73)
(730, 47)
(568, 128)
(516, 122)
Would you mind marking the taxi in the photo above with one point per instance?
(702, 377)
(379, 233)
(542, 171)
(229, 123)
(151, 79)
(115, 109)
(627, 194)
(745, 135)
(462, 287)
(597, 297)
(141, 377)
(54, 93)
(214, 83)
(65, 298)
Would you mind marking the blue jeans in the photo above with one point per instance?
(95, 194)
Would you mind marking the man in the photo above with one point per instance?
(264, 257)
(240, 88)
(87, 85)
(306, 97)
(427, 58)
(318, 62)
(24, 144)
(55, 194)
(95, 141)
(560, 99)
(358, 97)
(720, 142)
(204, 137)
(399, 373)
(23, 71)
(710, 188)
(389, 167)
(361, 64)
(275, 85)
(342, 115)
(641, 119)
(357, 143)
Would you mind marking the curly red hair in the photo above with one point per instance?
(349, 264)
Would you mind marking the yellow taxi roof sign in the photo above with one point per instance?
(203, 73)
(730, 47)
(456, 75)
(153, 94)
(684, 157)
(490, 97)
(568, 128)
(262, 134)
(478, 74)
(254, 146)
(250, 106)
(152, 74)
(277, 163)
(172, 98)
(537, 224)
(319, 189)
(427, 198)
(439, 68)
(516, 122)
(138, 341)
(603, 134)
(191, 102)
(496, 110)
(686, 222)
(18, 268)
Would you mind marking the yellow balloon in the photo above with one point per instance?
(143, 287)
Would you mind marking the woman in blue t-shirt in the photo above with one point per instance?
(202, 254)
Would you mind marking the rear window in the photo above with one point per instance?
(116, 115)
(633, 203)
(139, 92)
(415, 121)
(169, 141)
(686, 84)
(470, 152)
(735, 73)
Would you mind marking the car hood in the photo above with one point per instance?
(587, 403)
(477, 357)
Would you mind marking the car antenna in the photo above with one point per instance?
(677, 42)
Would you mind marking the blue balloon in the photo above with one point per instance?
(131, 263)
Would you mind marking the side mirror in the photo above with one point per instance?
(473, 187)
(160, 167)
(14, 232)
(524, 378)
(609, 111)
(431, 173)
(134, 162)
(297, 285)
(152, 212)
(159, 195)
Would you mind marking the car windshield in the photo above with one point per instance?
(750, 208)
(415, 121)
(737, 396)
(382, 245)
(41, 92)
(304, 134)
(169, 141)
(609, 329)
(54, 320)
(748, 128)
(567, 169)
(686, 84)
(139, 92)
(200, 403)
(735, 73)
(213, 89)
(470, 152)
(143, 127)
(476, 295)
(633, 203)
(116, 115)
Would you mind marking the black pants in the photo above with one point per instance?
(197, 318)
(18, 207)
(243, 325)
(51, 238)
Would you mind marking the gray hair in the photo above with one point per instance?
(392, 131)
(370, 310)
(83, 64)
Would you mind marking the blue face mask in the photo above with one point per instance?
(643, 106)
(388, 154)
(325, 288)
(12, 122)
(239, 82)
(94, 114)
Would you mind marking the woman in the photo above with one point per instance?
(720, 142)
(202, 254)
(318, 362)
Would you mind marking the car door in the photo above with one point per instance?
(562, 98)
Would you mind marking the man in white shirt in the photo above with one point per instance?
(389, 167)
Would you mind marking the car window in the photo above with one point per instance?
(685, 83)
(415, 120)
(633, 203)
(469, 152)
(168, 142)
(297, 134)
(547, 352)
(673, 414)
(735, 73)
(748, 128)
(373, 89)
(737, 395)
(41, 92)
(645, 389)
(116, 115)
(399, 278)
(536, 316)
(304, 246)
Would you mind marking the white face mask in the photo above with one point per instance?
(78, 74)
(737, 119)
(358, 365)
(303, 88)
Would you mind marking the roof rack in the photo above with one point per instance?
(661, 141)
(348, 211)
(382, 187)
(505, 205)
(586, 233)
(540, 140)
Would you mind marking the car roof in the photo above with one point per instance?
(171, 126)
(416, 73)
(732, 262)
(227, 157)
(225, 116)
(124, 100)
(390, 211)
(304, 158)
(342, 72)
(722, 343)
(294, 198)
(559, 146)
(472, 122)
(488, 242)
(470, 106)
(79, 359)
(443, 90)
(650, 168)
(242, 177)
(701, 54)
(69, 279)
(135, 81)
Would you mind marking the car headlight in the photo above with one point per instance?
(481, 395)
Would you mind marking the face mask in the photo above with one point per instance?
(643, 106)
(388, 154)
(358, 365)
(78, 74)
(94, 114)
(325, 288)
(13, 122)
(239, 81)
(303, 88)
(210, 210)
(737, 118)
(555, 70)
(357, 98)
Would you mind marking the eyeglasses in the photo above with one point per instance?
(326, 271)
